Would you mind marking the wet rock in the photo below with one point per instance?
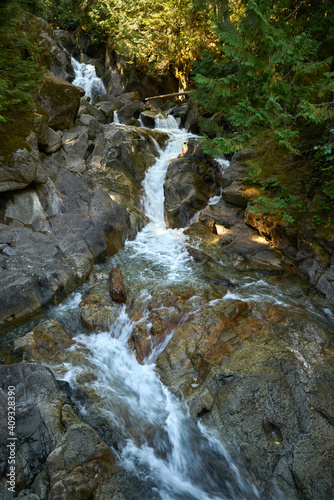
(107, 108)
(118, 163)
(117, 289)
(22, 166)
(130, 110)
(57, 455)
(61, 100)
(261, 376)
(43, 343)
(148, 117)
(191, 180)
(96, 313)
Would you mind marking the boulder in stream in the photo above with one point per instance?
(192, 178)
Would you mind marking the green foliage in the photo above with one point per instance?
(19, 76)
(323, 170)
(156, 34)
(279, 206)
(271, 69)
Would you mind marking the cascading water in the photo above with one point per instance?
(162, 447)
(86, 78)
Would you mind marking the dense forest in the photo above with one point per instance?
(256, 68)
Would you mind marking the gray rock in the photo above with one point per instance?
(22, 167)
(54, 141)
(130, 110)
(148, 117)
(57, 455)
(191, 179)
(25, 207)
(75, 143)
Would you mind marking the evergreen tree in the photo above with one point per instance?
(271, 69)
(19, 75)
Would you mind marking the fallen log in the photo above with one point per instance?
(169, 95)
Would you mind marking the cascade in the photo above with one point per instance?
(162, 444)
(160, 447)
(85, 77)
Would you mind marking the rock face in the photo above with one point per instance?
(61, 100)
(191, 179)
(56, 232)
(261, 375)
(57, 455)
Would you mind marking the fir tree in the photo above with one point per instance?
(271, 69)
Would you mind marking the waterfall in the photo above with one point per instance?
(162, 445)
(85, 77)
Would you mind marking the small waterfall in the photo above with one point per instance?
(85, 77)
(162, 445)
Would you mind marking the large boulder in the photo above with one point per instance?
(56, 454)
(57, 232)
(21, 166)
(61, 100)
(191, 180)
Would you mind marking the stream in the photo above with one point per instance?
(161, 451)
(161, 444)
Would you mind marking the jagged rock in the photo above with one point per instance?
(94, 128)
(117, 290)
(107, 108)
(96, 313)
(61, 100)
(191, 179)
(191, 123)
(88, 109)
(118, 163)
(22, 166)
(223, 234)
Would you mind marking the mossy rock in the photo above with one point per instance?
(61, 100)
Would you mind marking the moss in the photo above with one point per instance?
(13, 134)
(283, 175)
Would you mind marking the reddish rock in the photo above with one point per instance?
(116, 285)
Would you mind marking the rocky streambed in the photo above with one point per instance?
(213, 381)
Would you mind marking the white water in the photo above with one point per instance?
(86, 78)
(162, 445)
